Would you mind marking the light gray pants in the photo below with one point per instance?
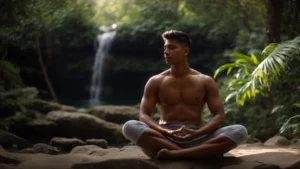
(133, 129)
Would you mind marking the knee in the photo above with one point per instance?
(242, 132)
(133, 129)
(128, 127)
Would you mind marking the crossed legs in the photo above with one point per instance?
(152, 141)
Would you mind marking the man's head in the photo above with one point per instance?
(176, 47)
(179, 36)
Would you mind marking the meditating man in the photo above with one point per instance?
(180, 94)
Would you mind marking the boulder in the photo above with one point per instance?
(266, 166)
(98, 142)
(6, 158)
(30, 92)
(117, 164)
(46, 149)
(27, 151)
(47, 106)
(66, 143)
(85, 126)
(115, 114)
(93, 157)
(88, 150)
(277, 141)
(295, 142)
(37, 129)
(9, 140)
(7, 166)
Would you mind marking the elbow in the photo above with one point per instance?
(142, 117)
(221, 119)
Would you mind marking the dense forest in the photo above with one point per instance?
(250, 47)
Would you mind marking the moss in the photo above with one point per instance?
(40, 122)
(21, 118)
(13, 101)
(10, 76)
(90, 110)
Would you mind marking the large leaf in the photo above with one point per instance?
(288, 124)
(270, 68)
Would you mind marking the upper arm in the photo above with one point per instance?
(213, 99)
(149, 97)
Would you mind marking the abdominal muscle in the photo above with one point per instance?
(180, 114)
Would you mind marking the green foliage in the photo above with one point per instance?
(291, 126)
(13, 101)
(10, 76)
(20, 118)
(262, 73)
(276, 78)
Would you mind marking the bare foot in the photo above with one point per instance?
(163, 154)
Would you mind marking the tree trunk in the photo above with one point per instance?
(275, 8)
(295, 19)
(43, 68)
(245, 18)
(273, 29)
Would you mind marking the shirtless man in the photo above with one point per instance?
(181, 93)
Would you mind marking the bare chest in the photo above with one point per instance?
(184, 91)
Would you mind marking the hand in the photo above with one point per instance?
(172, 132)
(191, 133)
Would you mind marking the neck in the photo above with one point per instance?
(180, 70)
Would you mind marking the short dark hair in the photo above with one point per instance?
(179, 36)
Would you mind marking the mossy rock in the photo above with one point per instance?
(47, 106)
(115, 114)
(85, 126)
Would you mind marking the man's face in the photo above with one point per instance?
(174, 52)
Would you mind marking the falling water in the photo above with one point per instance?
(104, 41)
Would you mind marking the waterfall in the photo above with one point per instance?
(104, 41)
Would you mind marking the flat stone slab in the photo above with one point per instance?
(243, 157)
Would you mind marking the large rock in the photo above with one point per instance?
(37, 129)
(85, 126)
(9, 140)
(295, 142)
(88, 150)
(7, 166)
(116, 114)
(30, 92)
(277, 141)
(93, 157)
(66, 143)
(45, 148)
(98, 142)
(47, 106)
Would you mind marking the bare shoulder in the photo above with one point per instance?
(202, 76)
(156, 79)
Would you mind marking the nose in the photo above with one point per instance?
(166, 51)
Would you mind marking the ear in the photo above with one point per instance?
(186, 51)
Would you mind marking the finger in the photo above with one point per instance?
(189, 136)
(178, 137)
(178, 130)
(188, 130)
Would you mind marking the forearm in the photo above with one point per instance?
(151, 123)
(214, 123)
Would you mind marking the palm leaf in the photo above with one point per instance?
(223, 67)
(271, 67)
(288, 124)
(269, 49)
(297, 105)
(243, 58)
